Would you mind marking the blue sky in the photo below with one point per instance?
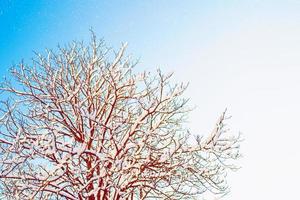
(164, 27)
(239, 54)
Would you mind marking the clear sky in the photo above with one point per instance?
(239, 54)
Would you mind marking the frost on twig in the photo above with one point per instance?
(81, 125)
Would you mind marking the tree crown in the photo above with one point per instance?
(80, 124)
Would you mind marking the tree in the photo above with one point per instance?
(80, 124)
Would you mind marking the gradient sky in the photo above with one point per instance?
(243, 55)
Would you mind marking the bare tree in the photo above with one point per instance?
(80, 124)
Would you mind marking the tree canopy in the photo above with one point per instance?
(80, 123)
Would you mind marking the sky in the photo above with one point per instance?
(236, 54)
